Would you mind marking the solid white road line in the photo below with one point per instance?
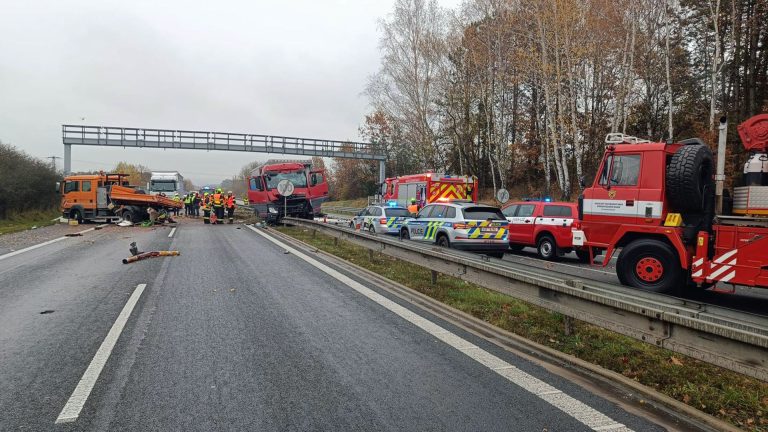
(173, 230)
(569, 405)
(39, 245)
(76, 401)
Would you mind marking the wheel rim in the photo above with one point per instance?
(546, 248)
(649, 269)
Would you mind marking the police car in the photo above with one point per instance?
(381, 219)
(460, 225)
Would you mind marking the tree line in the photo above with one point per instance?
(522, 94)
(26, 183)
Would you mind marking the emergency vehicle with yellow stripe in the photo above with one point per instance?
(381, 219)
(461, 225)
(665, 207)
(429, 188)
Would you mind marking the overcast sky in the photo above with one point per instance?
(293, 68)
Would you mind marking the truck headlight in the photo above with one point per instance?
(272, 210)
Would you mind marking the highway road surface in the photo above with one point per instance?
(241, 332)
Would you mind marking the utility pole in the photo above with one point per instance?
(53, 161)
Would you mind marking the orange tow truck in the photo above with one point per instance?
(107, 197)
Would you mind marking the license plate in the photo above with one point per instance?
(488, 230)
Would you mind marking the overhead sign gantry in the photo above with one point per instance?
(224, 141)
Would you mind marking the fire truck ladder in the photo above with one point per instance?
(224, 141)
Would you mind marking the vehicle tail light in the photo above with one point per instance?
(383, 221)
(576, 224)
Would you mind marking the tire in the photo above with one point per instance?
(516, 248)
(583, 255)
(546, 247)
(404, 234)
(650, 265)
(77, 215)
(129, 215)
(443, 241)
(689, 175)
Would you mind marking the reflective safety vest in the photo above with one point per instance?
(217, 200)
(188, 199)
(413, 208)
(230, 201)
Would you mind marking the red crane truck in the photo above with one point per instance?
(658, 202)
(310, 190)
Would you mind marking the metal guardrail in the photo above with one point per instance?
(340, 210)
(733, 340)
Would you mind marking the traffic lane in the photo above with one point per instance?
(265, 341)
(83, 284)
(568, 265)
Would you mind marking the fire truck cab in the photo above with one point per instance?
(428, 188)
(656, 203)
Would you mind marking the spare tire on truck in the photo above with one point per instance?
(689, 177)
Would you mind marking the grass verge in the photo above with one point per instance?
(732, 397)
(356, 203)
(27, 220)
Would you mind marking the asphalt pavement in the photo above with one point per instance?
(239, 333)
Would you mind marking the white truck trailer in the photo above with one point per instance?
(167, 182)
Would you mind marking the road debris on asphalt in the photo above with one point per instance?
(137, 256)
(152, 254)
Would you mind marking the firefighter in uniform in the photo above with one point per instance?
(206, 209)
(188, 204)
(218, 205)
(196, 204)
(413, 208)
(176, 198)
(230, 203)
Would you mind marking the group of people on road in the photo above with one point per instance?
(214, 206)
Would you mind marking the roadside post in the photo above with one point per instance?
(285, 188)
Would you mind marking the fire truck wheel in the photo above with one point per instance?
(688, 175)
(546, 247)
(650, 265)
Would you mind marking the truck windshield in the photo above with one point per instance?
(299, 179)
(162, 185)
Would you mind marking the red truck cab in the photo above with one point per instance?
(310, 190)
(543, 225)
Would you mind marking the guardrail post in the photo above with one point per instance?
(567, 325)
(434, 277)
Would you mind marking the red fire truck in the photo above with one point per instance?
(429, 187)
(657, 203)
(310, 189)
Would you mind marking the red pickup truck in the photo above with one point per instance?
(543, 225)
